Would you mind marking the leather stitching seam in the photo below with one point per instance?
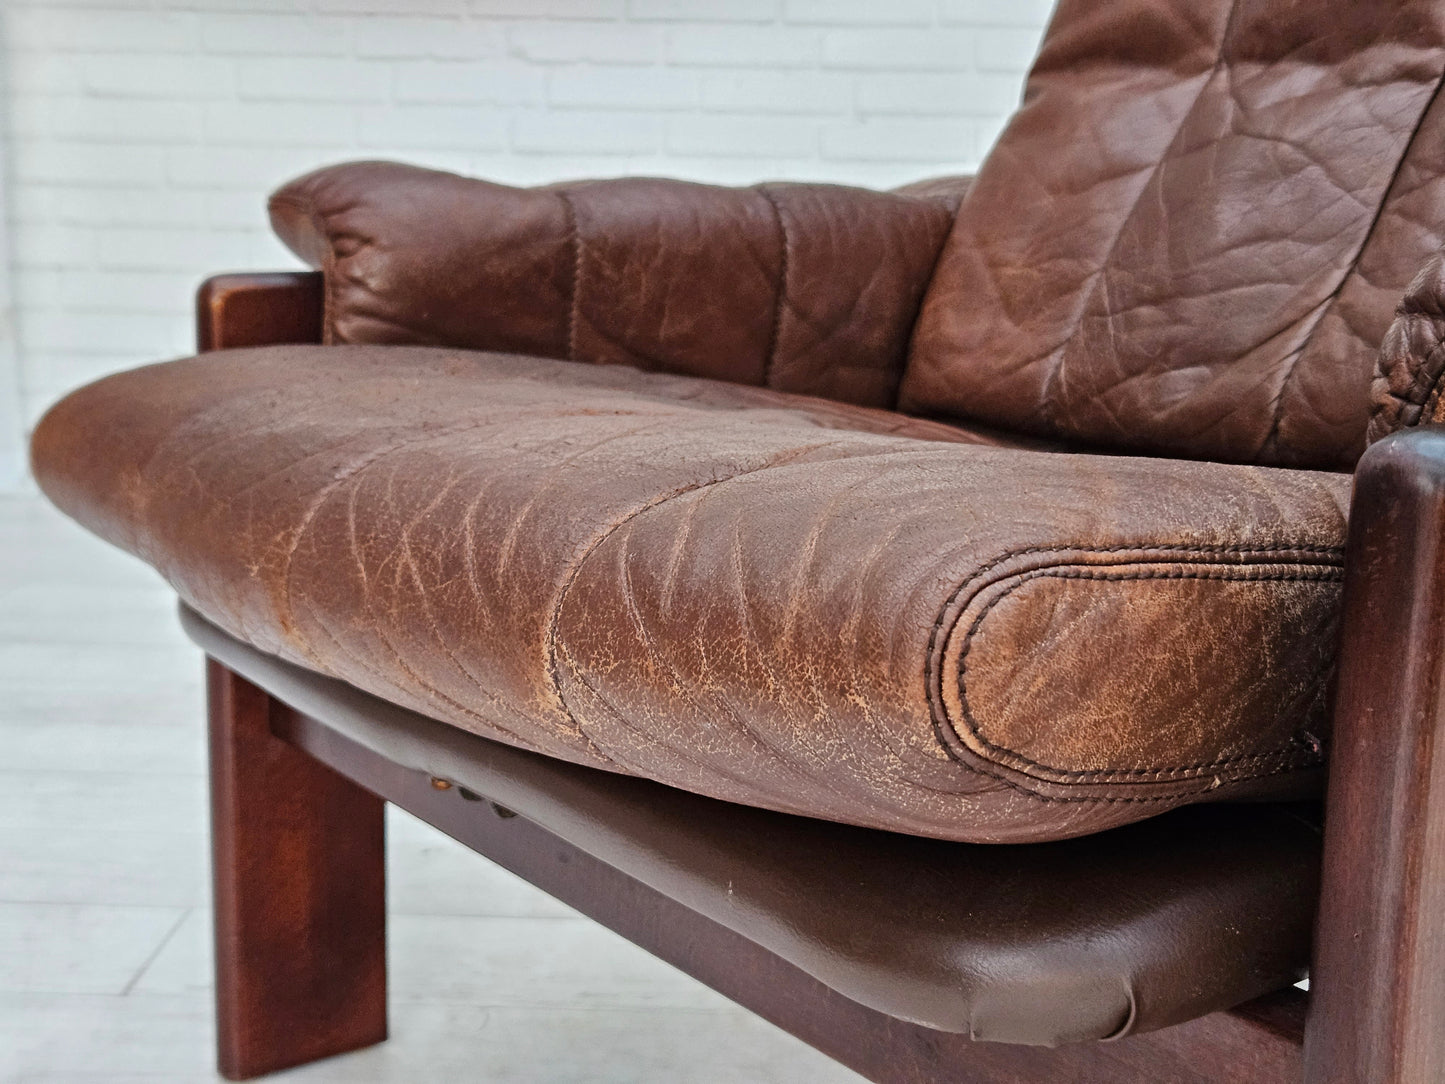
(574, 233)
(776, 333)
(555, 619)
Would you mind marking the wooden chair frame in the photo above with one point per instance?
(299, 859)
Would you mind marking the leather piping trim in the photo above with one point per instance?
(1327, 560)
(1325, 575)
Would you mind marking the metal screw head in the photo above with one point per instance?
(440, 784)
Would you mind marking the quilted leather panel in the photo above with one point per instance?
(1191, 237)
(1412, 358)
(806, 288)
(752, 595)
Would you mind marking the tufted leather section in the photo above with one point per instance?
(1406, 389)
(802, 287)
(766, 598)
(1191, 237)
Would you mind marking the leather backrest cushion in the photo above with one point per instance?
(803, 288)
(1191, 237)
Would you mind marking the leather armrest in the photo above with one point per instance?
(802, 287)
(1408, 378)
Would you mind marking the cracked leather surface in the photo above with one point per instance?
(808, 288)
(770, 599)
(1191, 237)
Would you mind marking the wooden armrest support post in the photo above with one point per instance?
(262, 309)
(297, 849)
(1377, 1013)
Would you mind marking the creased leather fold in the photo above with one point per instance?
(1190, 238)
(1406, 388)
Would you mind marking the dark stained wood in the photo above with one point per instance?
(297, 850)
(259, 309)
(1257, 1043)
(1378, 1012)
(299, 893)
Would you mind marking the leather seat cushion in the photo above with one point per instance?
(766, 598)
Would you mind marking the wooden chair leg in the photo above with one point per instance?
(1377, 988)
(300, 894)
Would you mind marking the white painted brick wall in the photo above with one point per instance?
(11, 451)
(143, 135)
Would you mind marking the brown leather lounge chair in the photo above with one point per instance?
(745, 567)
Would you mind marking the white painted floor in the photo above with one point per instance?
(105, 970)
